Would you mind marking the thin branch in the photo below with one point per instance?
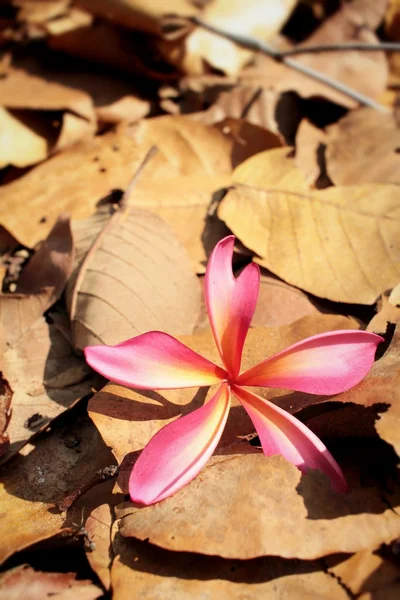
(260, 46)
(381, 47)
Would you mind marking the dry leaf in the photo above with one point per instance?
(280, 304)
(390, 592)
(98, 526)
(25, 582)
(258, 18)
(392, 20)
(388, 313)
(159, 574)
(275, 511)
(310, 146)
(364, 148)
(144, 15)
(6, 395)
(349, 24)
(40, 93)
(39, 11)
(364, 572)
(34, 482)
(132, 276)
(19, 144)
(192, 162)
(47, 378)
(298, 234)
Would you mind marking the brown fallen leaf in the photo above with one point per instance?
(364, 148)
(39, 11)
(6, 394)
(138, 14)
(256, 18)
(367, 571)
(392, 20)
(280, 304)
(275, 510)
(34, 481)
(128, 418)
(310, 145)
(25, 582)
(40, 283)
(354, 22)
(98, 526)
(48, 378)
(298, 234)
(160, 574)
(193, 161)
(20, 144)
(131, 276)
(388, 314)
(42, 94)
(390, 592)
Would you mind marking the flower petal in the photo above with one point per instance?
(231, 302)
(153, 360)
(328, 363)
(281, 433)
(177, 453)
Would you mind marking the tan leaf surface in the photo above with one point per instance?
(388, 313)
(159, 574)
(145, 15)
(25, 582)
(279, 303)
(19, 144)
(366, 571)
(363, 148)
(258, 18)
(275, 511)
(42, 94)
(193, 158)
(310, 142)
(128, 418)
(6, 394)
(39, 11)
(32, 483)
(48, 378)
(298, 234)
(349, 24)
(98, 526)
(132, 276)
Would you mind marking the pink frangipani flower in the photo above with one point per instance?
(329, 363)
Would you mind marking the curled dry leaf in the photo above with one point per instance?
(138, 14)
(128, 418)
(25, 582)
(275, 510)
(40, 283)
(364, 572)
(388, 314)
(21, 145)
(310, 145)
(364, 148)
(280, 304)
(6, 394)
(297, 234)
(160, 574)
(48, 378)
(33, 483)
(193, 161)
(132, 276)
(98, 526)
(349, 24)
(258, 18)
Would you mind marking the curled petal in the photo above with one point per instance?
(281, 433)
(154, 360)
(328, 363)
(231, 302)
(177, 453)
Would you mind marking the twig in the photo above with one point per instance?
(260, 46)
(381, 47)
